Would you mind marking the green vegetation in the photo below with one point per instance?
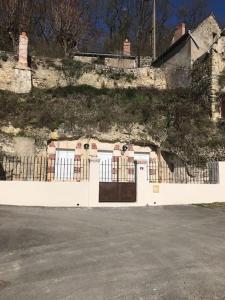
(75, 69)
(174, 119)
(116, 74)
(3, 56)
(71, 68)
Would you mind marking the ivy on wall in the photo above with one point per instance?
(222, 79)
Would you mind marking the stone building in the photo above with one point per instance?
(216, 63)
(209, 74)
(186, 48)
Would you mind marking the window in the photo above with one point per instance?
(64, 165)
(105, 166)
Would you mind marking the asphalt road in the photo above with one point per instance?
(106, 254)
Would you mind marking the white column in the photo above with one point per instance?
(143, 186)
(94, 182)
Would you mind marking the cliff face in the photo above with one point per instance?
(33, 141)
(170, 120)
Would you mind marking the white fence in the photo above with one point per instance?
(86, 193)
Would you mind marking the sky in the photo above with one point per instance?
(216, 6)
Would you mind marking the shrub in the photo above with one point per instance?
(3, 56)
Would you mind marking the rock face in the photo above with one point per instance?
(7, 64)
(27, 142)
(33, 141)
(48, 73)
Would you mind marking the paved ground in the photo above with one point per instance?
(106, 254)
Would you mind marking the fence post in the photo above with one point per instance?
(222, 173)
(93, 198)
(143, 187)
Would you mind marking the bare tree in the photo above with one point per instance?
(70, 23)
(193, 12)
(165, 12)
(117, 18)
(16, 15)
(133, 19)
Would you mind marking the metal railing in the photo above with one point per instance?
(178, 172)
(43, 169)
(117, 170)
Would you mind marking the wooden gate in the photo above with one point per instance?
(117, 181)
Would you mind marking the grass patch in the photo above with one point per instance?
(211, 205)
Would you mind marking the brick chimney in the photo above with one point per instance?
(180, 31)
(23, 50)
(126, 47)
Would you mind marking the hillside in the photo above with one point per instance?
(173, 120)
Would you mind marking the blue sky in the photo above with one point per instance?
(216, 6)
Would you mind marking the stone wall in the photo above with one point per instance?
(209, 69)
(12, 77)
(145, 61)
(120, 63)
(177, 68)
(132, 78)
(7, 65)
(48, 73)
(204, 36)
(113, 62)
(216, 88)
(50, 76)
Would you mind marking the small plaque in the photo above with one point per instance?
(156, 189)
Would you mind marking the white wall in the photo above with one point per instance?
(85, 194)
(180, 194)
(54, 194)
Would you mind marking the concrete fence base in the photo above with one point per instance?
(86, 194)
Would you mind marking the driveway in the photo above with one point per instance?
(106, 254)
